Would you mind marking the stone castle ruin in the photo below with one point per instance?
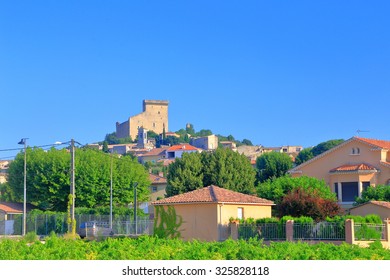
(154, 117)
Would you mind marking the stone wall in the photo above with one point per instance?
(154, 117)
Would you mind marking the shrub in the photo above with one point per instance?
(300, 201)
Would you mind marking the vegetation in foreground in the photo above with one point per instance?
(153, 248)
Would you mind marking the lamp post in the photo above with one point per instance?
(24, 142)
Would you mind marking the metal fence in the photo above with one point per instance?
(369, 231)
(271, 231)
(46, 223)
(319, 231)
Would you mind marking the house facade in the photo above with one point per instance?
(380, 208)
(206, 143)
(206, 212)
(350, 167)
(153, 155)
(176, 151)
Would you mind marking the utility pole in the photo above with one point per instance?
(72, 224)
(24, 142)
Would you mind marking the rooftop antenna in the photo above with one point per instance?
(359, 131)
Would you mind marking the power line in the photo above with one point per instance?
(41, 146)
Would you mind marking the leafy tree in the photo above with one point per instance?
(6, 192)
(111, 139)
(247, 142)
(224, 168)
(230, 170)
(324, 146)
(304, 202)
(48, 178)
(185, 174)
(380, 193)
(272, 165)
(190, 129)
(105, 147)
(277, 188)
(204, 132)
(304, 155)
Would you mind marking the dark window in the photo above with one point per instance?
(336, 189)
(349, 191)
(366, 185)
(154, 189)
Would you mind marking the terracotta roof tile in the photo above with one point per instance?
(184, 147)
(379, 143)
(155, 152)
(13, 207)
(353, 167)
(381, 203)
(157, 179)
(213, 194)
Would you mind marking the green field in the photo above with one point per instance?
(153, 248)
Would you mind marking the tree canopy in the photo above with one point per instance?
(48, 178)
(224, 168)
(272, 165)
(277, 188)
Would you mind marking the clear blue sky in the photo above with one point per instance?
(274, 72)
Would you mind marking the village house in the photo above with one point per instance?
(176, 151)
(157, 191)
(206, 212)
(350, 167)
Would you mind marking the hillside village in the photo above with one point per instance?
(348, 169)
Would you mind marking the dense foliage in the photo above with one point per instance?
(272, 165)
(223, 168)
(153, 248)
(276, 189)
(380, 192)
(308, 202)
(322, 147)
(48, 178)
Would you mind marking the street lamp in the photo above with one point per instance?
(24, 142)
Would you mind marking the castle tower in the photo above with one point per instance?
(153, 118)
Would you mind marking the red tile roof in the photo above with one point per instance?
(383, 144)
(183, 147)
(157, 179)
(155, 152)
(381, 203)
(213, 194)
(13, 207)
(353, 167)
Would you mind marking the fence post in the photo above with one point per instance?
(290, 230)
(349, 231)
(387, 231)
(234, 231)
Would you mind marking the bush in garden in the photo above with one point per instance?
(302, 202)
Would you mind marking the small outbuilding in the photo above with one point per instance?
(205, 212)
(380, 208)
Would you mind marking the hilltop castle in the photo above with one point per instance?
(154, 117)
